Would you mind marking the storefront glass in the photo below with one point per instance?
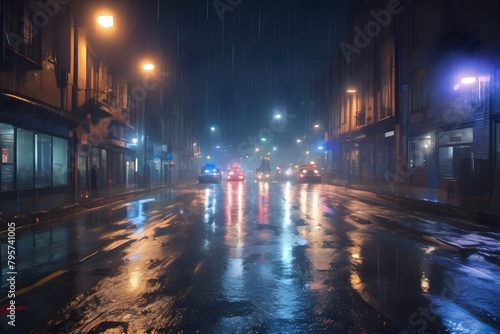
(60, 176)
(419, 148)
(7, 162)
(454, 145)
(43, 154)
(497, 146)
(41, 161)
(25, 159)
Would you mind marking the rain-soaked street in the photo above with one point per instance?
(247, 257)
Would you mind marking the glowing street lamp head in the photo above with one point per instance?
(351, 91)
(105, 21)
(277, 116)
(468, 80)
(148, 66)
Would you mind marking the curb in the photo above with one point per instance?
(483, 217)
(480, 216)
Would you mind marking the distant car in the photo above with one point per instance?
(209, 173)
(285, 173)
(263, 173)
(235, 173)
(309, 173)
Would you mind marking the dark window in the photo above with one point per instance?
(25, 159)
(497, 146)
(418, 95)
(417, 26)
(24, 29)
(7, 161)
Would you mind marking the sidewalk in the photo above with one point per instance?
(448, 202)
(39, 208)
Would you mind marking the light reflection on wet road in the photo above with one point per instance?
(244, 257)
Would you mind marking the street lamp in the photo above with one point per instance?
(104, 21)
(213, 130)
(278, 118)
(148, 66)
(152, 80)
(351, 92)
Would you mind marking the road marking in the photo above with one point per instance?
(37, 284)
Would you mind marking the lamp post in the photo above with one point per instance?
(152, 81)
(104, 21)
(351, 92)
(278, 118)
(212, 130)
(319, 145)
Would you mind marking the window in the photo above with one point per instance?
(23, 30)
(497, 146)
(43, 153)
(25, 161)
(446, 162)
(60, 162)
(454, 145)
(452, 10)
(417, 26)
(418, 95)
(7, 162)
(419, 148)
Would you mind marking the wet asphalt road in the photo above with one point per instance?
(248, 257)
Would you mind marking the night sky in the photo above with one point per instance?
(236, 65)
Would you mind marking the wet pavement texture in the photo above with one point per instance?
(247, 257)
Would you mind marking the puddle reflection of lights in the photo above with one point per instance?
(210, 204)
(424, 284)
(135, 212)
(317, 213)
(356, 282)
(134, 257)
(430, 249)
(356, 257)
(134, 279)
(457, 319)
(289, 237)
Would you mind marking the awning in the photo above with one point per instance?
(21, 111)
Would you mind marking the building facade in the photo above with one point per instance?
(63, 101)
(415, 100)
